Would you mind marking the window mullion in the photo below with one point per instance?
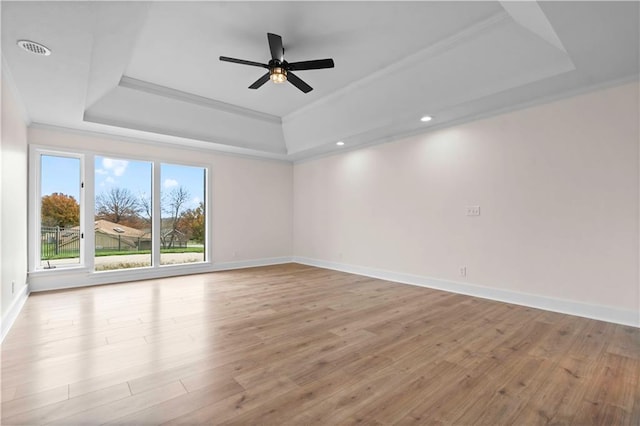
(157, 214)
(87, 207)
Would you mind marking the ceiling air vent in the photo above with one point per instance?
(35, 48)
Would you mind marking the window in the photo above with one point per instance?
(123, 214)
(59, 234)
(144, 214)
(183, 219)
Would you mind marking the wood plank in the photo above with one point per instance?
(231, 407)
(69, 407)
(292, 344)
(181, 405)
(34, 401)
(115, 408)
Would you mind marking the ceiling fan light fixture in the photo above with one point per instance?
(278, 75)
(426, 118)
(279, 69)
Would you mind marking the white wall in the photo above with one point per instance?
(558, 190)
(251, 198)
(558, 185)
(13, 196)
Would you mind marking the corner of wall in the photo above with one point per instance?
(14, 288)
(9, 83)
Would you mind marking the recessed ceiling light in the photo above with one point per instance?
(426, 118)
(35, 48)
(340, 143)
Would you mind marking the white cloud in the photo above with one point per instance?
(118, 167)
(196, 200)
(109, 179)
(170, 183)
(101, 171)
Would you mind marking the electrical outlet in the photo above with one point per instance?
(473, 210)
(13, 287)
(463, 271)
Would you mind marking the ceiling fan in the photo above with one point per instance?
(279, 69)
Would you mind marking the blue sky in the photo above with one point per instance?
(62, 174)
(192, 178)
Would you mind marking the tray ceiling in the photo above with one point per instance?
(151, 70)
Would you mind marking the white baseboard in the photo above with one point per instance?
(225, 266)
(598, 312)
(14, 310)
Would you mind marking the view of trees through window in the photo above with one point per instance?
(182, 205)
(124, 212)
(59, 211)
(123, 226)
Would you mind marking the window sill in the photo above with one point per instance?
(43, 280)
(59, 270)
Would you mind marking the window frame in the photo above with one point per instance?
(87, 210)
(158, 193)
(35, 204)
(93, 205)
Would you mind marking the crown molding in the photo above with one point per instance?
(379, 136)
(155, 89)
(218, 140)
(167, 141)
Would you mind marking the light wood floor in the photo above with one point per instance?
(298, 345)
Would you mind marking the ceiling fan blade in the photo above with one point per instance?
(259, 82)
(296, 81)
(243, 62)
(311, 65)
(275, 45)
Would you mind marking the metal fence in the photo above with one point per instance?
(59, 242)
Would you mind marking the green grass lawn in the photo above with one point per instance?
(162, 250)
(74, 254)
